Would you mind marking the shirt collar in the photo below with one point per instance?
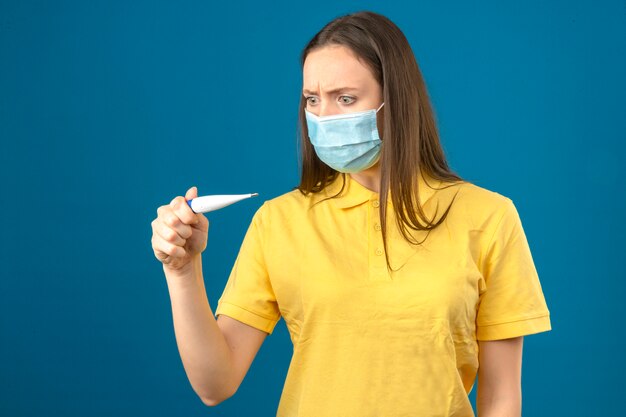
(354, 194)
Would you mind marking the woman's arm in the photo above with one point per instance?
(216, 354)
(500, 378)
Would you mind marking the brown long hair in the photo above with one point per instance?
(410, 141)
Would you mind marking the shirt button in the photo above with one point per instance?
(377, 226)
(379, 252)
(375, 203)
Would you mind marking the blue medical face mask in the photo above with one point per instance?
(346, 142)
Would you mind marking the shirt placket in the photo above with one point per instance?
(376, 250)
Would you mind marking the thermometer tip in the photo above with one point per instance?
(254, 194)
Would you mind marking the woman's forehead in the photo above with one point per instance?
(333, 67)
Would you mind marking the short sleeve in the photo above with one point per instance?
(248, 296)
(511, 302)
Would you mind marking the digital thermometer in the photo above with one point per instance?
(208, 203)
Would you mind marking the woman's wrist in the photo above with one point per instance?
(185, 275)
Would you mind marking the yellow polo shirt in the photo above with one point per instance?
(367, 342)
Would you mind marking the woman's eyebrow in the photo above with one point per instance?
(333, 91)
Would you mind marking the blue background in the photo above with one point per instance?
(110, 109)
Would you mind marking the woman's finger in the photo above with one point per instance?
(168, 234)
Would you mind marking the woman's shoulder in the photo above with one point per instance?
(289, 199)
(482, 196)
(288, 204)
(478, 202)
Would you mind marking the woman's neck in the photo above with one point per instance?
(369, 178)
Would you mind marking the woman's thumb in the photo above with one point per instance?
(191, 193)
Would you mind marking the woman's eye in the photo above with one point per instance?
(311, 100)
(346, 100)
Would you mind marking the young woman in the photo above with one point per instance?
(398, 281)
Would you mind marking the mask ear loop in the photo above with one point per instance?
(381, 106)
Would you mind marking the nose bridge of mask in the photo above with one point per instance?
(341, 116)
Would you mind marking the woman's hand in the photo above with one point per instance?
(179, 234)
